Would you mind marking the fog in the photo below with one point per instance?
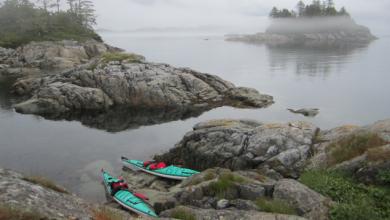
(311, 25)
(230, 16)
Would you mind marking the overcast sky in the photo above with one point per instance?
(235, 14)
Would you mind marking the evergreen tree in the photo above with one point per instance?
(274, 12)
(86, 12)
(343, 12)
(301, 8)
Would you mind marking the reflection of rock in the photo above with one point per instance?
(133, 85)
(308, 112)
(121, 118)
(7, 99)
(317, 61)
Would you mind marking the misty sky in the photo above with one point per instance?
(240, 15)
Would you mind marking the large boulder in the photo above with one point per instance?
(365, 150)
(241, 144)
(309, 203)
(135, 84)
(50, 56)
(24, 195)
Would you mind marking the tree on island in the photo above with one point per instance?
(315, 9)
(22, 21)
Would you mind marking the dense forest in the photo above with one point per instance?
(315, 9)
(22, 21)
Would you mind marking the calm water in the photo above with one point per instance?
(350, 86)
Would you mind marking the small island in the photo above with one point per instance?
(315, 24)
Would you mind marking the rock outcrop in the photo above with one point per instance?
(17, 192)
(310, 32)
(367, 163)
(278, 149)
(309, 203)
(133, 84)
(49, 57)
(308, 112)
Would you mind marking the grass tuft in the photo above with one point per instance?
(378, 154)
(106, 214)
(353, 200)
(352, 146)
(42, 181)
(275, 206)
(120, 56)
(225, 182)
(183, 214)
(10, 213)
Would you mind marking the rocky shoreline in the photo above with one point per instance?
(338, 32)
(249, 169)
(71, 80)
(246, 165)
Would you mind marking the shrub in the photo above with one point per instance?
(45, 183)
(106, 214)
(378, 154)
(384, 176)
(224, 183)
(183, 214)
(275, 206)
(209, 176)
(119, 56)
(11, 213)
(352, 146)
(353, 200)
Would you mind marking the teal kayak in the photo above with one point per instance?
(170, 172)
(127, 199)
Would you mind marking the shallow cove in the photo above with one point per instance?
(348, 85)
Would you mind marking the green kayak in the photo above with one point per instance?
(170, 172)
(127, 199)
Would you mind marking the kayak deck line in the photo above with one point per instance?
(169, 172)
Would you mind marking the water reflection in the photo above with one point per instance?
(316, 60)
(121, 119)
(6, 99)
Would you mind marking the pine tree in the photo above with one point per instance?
(301, 8)
(86, 12)
(274, 12)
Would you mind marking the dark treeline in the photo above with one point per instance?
(22, 21)
(315, 9)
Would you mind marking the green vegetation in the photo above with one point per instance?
(353, 200)
(275, 206)
(315, 9)
(384, 176)
(209, 175)
(120, 56)
(106, 214)
(224, 183)
(22, 21)
(353, 146)
(197, 179)
(183, 214)
(45, 183)
(378, 154)
(11, 213)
